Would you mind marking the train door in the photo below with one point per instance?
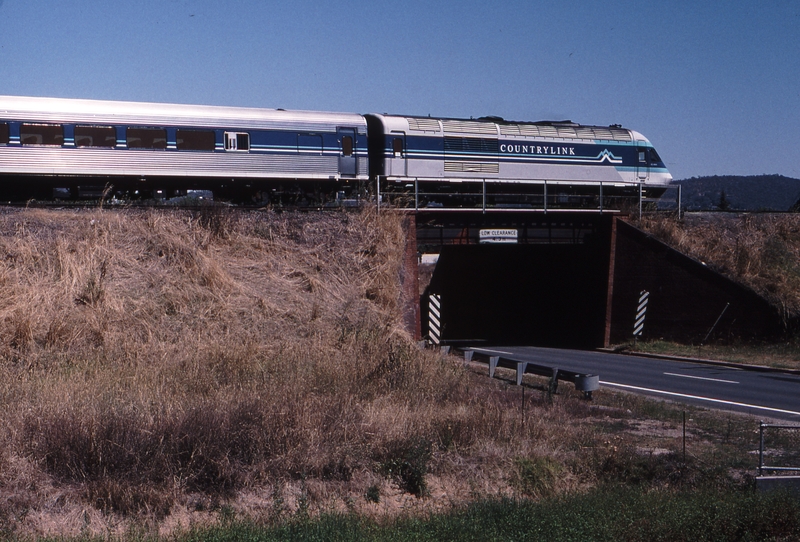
(397, 158)
(643, 164)
(347, 155)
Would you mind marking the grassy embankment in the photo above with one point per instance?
(161, 371)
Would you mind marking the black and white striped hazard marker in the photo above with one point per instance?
(435, 318)
(640, 313)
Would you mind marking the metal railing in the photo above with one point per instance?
(485, 195)
(788, 439)
(586, 383)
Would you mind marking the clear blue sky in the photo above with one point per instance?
(714, 85)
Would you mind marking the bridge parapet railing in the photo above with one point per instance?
(490, 195)
(779, 445)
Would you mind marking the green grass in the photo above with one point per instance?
(604, 514)
(609, 513)
(781, 355)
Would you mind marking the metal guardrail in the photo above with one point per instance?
(793, 444)
(586, 383)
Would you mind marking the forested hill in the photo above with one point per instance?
(751, 193)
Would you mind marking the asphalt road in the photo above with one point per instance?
(769, 395)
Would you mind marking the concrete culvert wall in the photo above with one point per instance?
(686, 297)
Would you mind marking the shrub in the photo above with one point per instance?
(406, 462)
(373, 494)
(536, 476)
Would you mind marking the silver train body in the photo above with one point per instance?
(49, 142)
(58, 142)
(490, 150)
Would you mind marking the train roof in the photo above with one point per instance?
(498, 126)
(69, 110)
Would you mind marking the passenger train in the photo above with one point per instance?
(82, 147)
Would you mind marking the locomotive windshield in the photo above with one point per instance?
(654, 157)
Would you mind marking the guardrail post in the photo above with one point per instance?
(587, 384)
(553, 387)
(521, 367)
(493, 360)
(761, 448)
(468, 355)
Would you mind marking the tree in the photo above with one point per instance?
(723, 204)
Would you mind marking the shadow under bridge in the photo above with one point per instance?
(526, 280)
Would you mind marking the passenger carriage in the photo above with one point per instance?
(46, 143)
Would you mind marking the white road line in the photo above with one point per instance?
(702, 378)
(733, 403)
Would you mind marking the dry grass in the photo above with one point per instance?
(172, 367)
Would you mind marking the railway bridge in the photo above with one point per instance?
(567, 279)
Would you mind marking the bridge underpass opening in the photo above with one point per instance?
(534, 294)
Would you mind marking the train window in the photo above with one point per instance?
(146, 138)
(41, 134)
(196, 140)
(654, 157)
(397, 146)
(347, 145)
(309, 143)
(642, 157)
(3, 133)
(237, 141)
(95, 136)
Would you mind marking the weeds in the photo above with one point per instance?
(373, 494)
(406, 461)
(218, 219)
(93, 293)
(536, 476)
